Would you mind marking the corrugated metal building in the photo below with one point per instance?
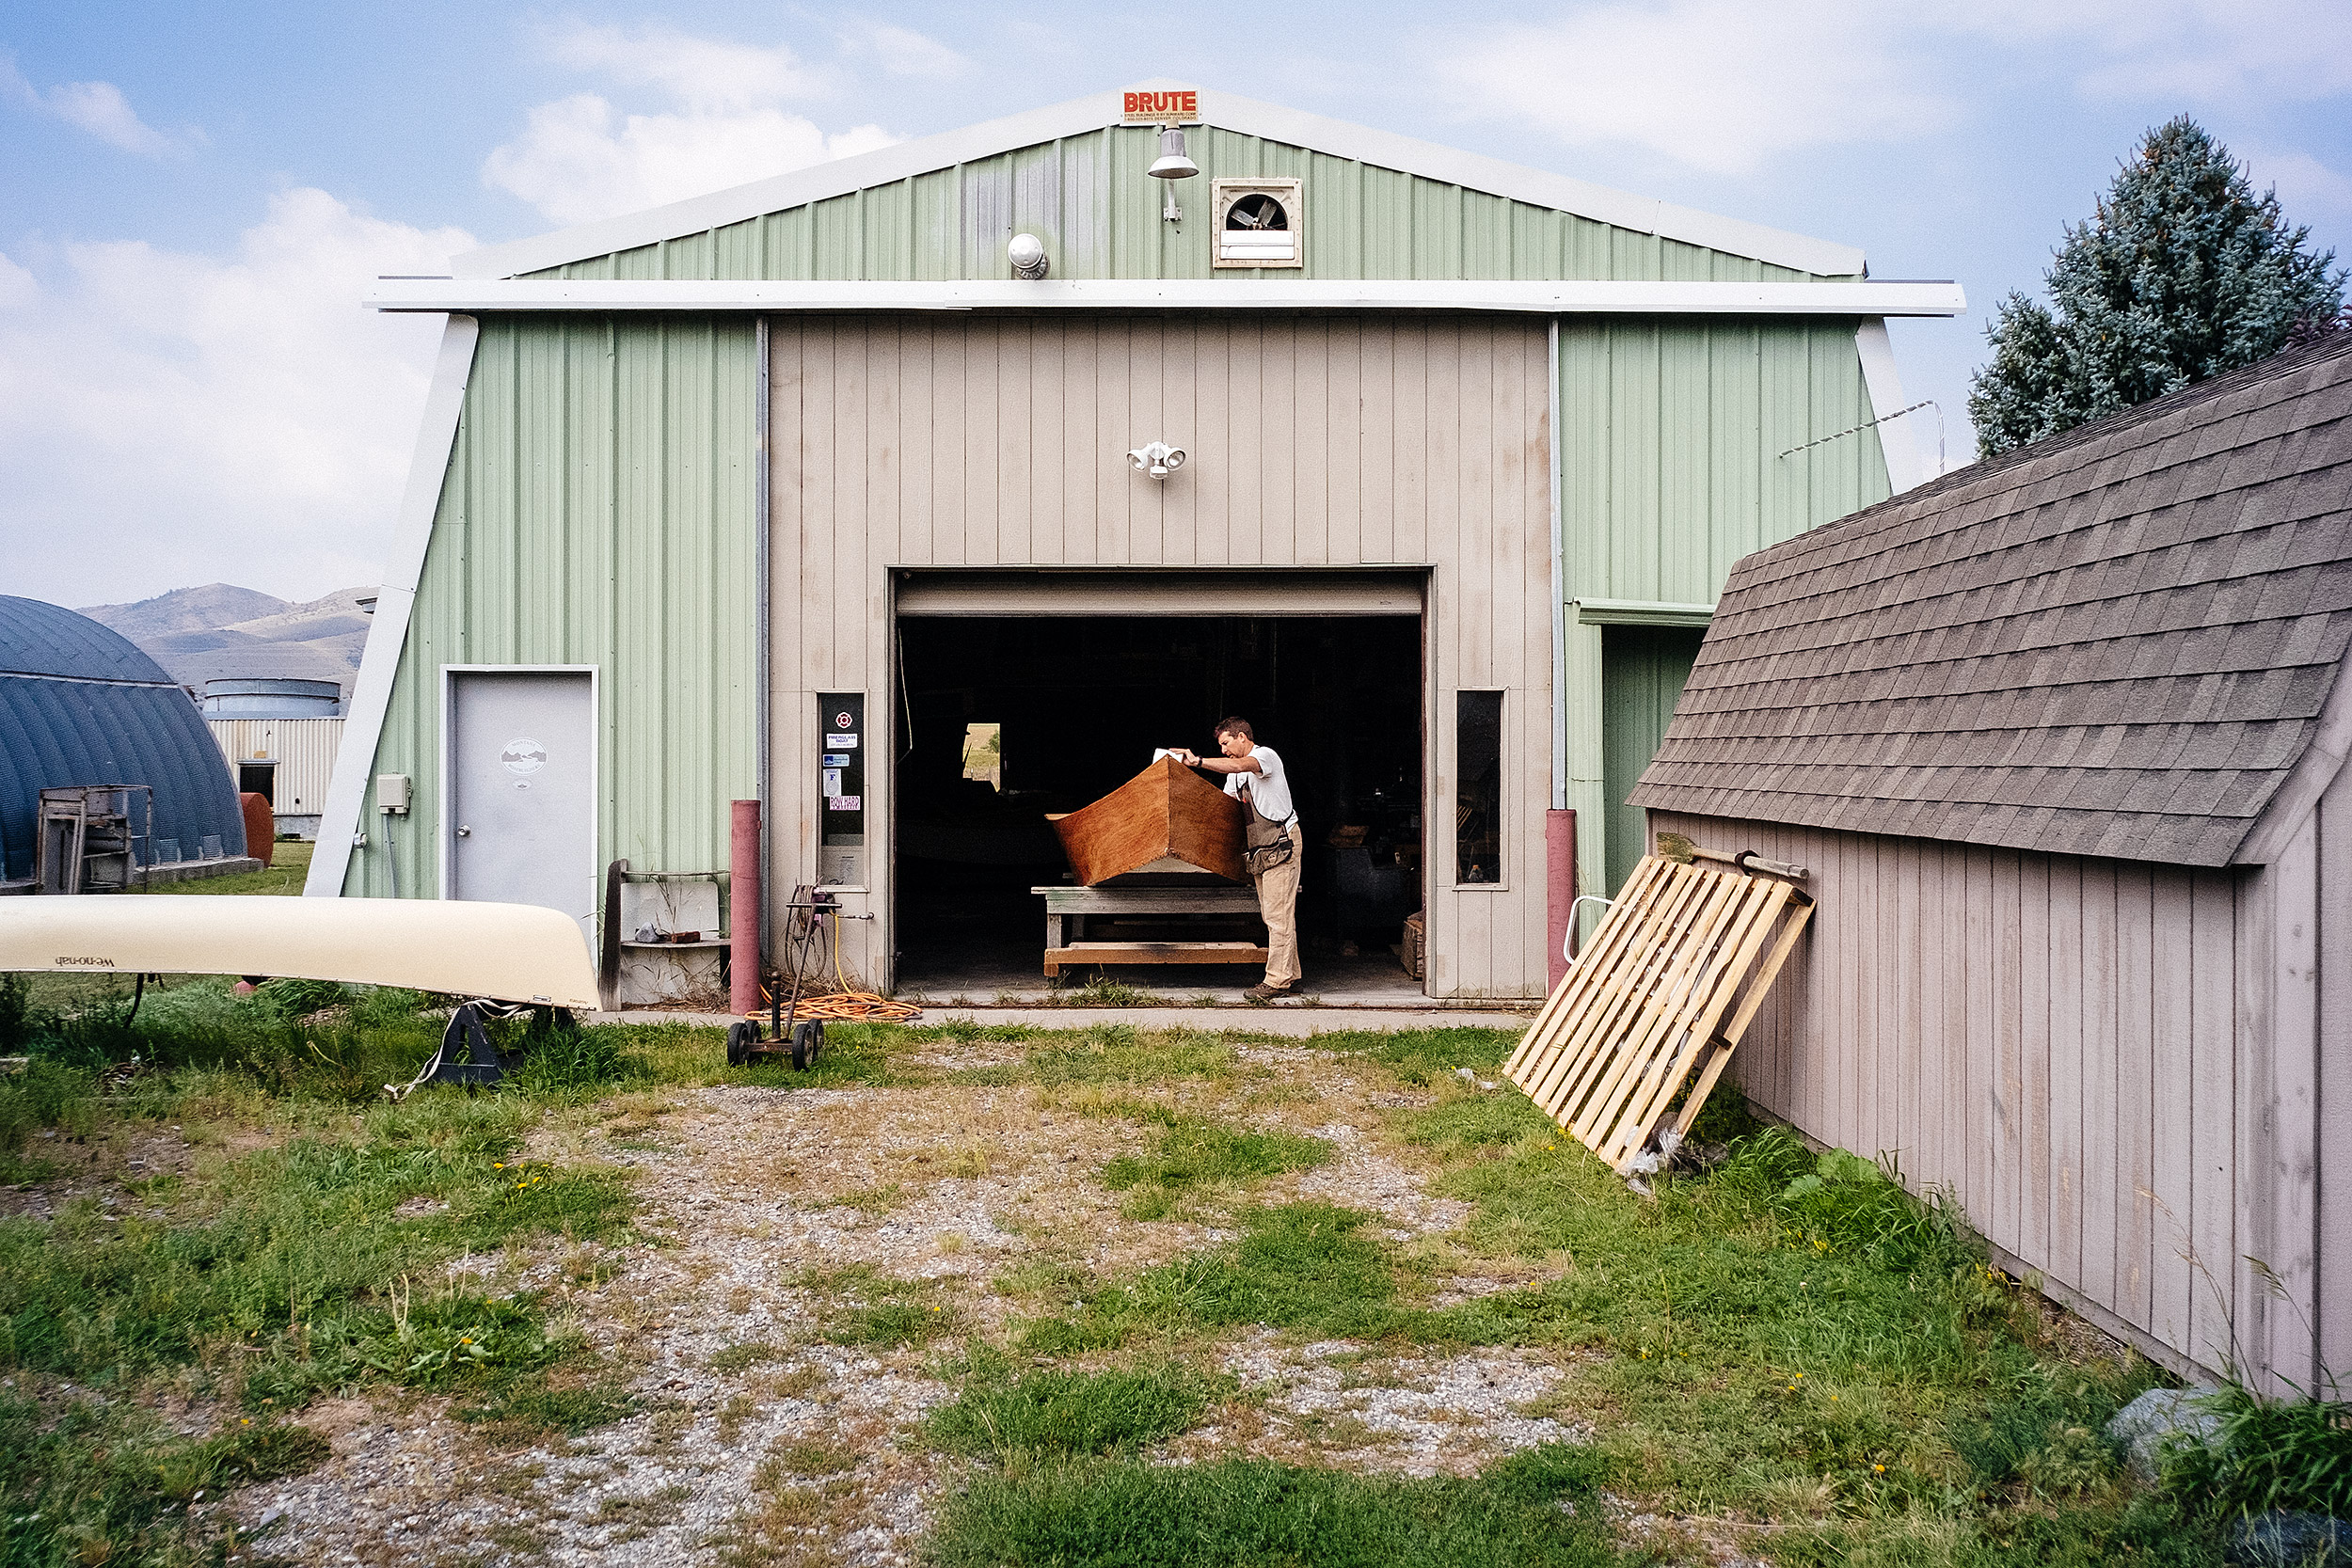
(292, 761)
(1472, 465)
(2061, 738)
(80, 704)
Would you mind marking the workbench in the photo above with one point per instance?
(1068, 908)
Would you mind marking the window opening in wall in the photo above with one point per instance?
(1478, 797)
(258, 778)
(984, 754)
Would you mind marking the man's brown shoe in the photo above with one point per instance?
(1262, 993)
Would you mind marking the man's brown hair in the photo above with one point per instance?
(1237, 726)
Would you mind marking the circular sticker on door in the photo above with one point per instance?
(523, 755)
(841, 721)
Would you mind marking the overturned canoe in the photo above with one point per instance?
(503, 952)
(1165, 819)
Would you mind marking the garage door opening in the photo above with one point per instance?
(1004, 719)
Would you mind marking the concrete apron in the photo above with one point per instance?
(1292, 1019)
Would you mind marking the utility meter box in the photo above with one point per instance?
(391, 794)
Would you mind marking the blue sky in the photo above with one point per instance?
(191, 196)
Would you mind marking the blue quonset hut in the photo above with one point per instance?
(80, 704)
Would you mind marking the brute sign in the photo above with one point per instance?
(1176, 107)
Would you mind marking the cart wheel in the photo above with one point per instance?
(803, 1046)
(816, 1040)
(740, 1037)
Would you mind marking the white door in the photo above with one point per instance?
(522, 808)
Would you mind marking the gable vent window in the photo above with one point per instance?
(1259, 223)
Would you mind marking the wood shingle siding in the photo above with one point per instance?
(2131, 1066)
(2069, 1047)
(2117, 643)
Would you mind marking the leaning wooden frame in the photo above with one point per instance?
(1656, 1004)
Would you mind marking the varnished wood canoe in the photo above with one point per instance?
(1166, 819)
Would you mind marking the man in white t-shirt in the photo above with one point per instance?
(1255, 776)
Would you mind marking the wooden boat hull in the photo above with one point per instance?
(1165, 819)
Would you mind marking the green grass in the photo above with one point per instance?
(1196, 1152)
(290, 865)
(1068, 1412)
(2270, 1454)
(877, 1310)
(84, 1482)
(293, 1254)
(1120, 1513)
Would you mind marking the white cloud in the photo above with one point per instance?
(701, 74)
(730, 117)
(17, 285)
(168, 419)
(1726, 87)
(2225, 52)
(1717, 85)
(2308, 191)
(902, 52)
(98, 108)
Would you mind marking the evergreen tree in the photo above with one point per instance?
(2184, 272)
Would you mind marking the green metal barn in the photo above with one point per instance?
(813, 489)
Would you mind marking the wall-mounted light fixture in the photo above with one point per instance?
(1028, 254)
(1171, 166)
(1159, 459)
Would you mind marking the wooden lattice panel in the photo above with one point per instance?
(1642, 1012)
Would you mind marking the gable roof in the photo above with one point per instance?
(1096, 111)
(2123, 642)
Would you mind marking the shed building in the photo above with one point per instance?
(2061, 738)
(81, 704)
(705, 489)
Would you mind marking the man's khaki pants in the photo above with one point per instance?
(1277, 905)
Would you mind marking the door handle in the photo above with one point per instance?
(465, 832)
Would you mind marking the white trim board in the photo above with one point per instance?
(1226, 111)
(1898, 442)
(387, 632)
(1870, 300)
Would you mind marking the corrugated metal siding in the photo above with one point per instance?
(115, 718)
(1642, 672)
(1088, 198)
(597, 509)
(2126, 1074)
(304, 750)
(54, 733)
(1315, 442)
(1671, 435)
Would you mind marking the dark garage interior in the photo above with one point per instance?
(1003, 719)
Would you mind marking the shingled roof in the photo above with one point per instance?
(2115, 642)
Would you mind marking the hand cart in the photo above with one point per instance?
(805, 921)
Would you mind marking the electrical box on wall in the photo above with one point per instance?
(841, 789)
(391, 794)
(1259, 223)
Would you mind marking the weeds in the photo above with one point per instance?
(1195, 1152)
(283, 1244)
(1539, 1506)
(83, 1483)
(1068, 1412)
(2268, 1455)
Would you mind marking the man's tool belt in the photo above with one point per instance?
(1268, 841)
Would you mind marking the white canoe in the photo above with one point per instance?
(497, 951)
